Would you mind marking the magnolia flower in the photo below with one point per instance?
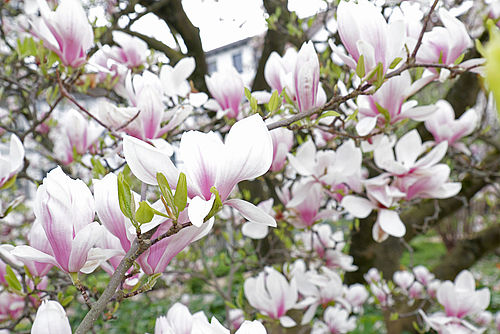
(443, 126)
(236, 317)
(208, 162)
(282, 143)
(77, 134)
(364, 31)
(483, 319)
(416, 291)
(276, 68)
(319, 289)
(388, 106)
(66, 31)
(227, 89)
(174, 79)
(356, 295)
(382, 293)
(178, 320)
(404, 279)
(256, 230)
(461, 298)
(423, 275)
(65, 209)
(337, 321)
(372, 276)
(13, 162)
(38, 240)
(444, 45)
(11, 306)
(132, 51)
(381, 197)
(306, 77)
(156, 258)
(449, 325)
(272, 295)
(51, 319)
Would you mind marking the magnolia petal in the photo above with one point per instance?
(251, 212)
(390, 223)
(146, 160)
(357, 206)
(30, 253)
(366, 125)
(198, 209)
(254, 230)
(287, 322)
(97, 256)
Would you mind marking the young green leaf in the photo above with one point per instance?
(180, 197)
(12, 280)
(165, 190)
(274, 102)
(125, 199)
(217, 204)
(144, 214)
(360, 68)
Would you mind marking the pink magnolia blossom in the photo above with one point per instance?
(209, 162)
(356, 295)
(306, 77)
(449, 325)
(461, 298)
(236, 318)
(282, 143)
(11, 306)
(272, 295)
(388, 106)
(178, 320)
(66, 31)
(483, 319)
(318, 288)
(423, 275)
(416, 291)
(277, 68)
(364, 31)
(174, 79)
(227, 89)
(372, 276)
(383, 294)
(65, 209)
(145, 93)
(444, 127)
(403, 279)
(76, 134)
(38, 240)
(51, 319)
(156, 258)
(256, 230)
(131, 52)
(381, 197)
(336, 321)
(446, 44)
(13, 162)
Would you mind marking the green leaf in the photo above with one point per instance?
(459, 59)
(353, 115)
(379, 75)
(98, 169)
(274, 102)
(248, 94)
(384, 112)
(9, 183)
(394, 316)
(480, 48)
(166, 191)
(126, 201)
(493, 64)
(65, 302)
(180, 197)
(216, 206)
(144, 214)
(395, 63)
(11, 279)
(327, 114)
(360, 68)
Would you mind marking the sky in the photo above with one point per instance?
(223, 21)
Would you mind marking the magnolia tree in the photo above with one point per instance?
(134, 180)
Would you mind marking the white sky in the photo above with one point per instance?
(224, 21)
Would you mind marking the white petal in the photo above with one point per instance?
(366, 125)
(146, 160)
(254, 230)
(357, 206)
(251, 212)
(287, 322)
(390, 223)
(198, 209)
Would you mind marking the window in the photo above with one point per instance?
(212, 66)
(237, 62)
